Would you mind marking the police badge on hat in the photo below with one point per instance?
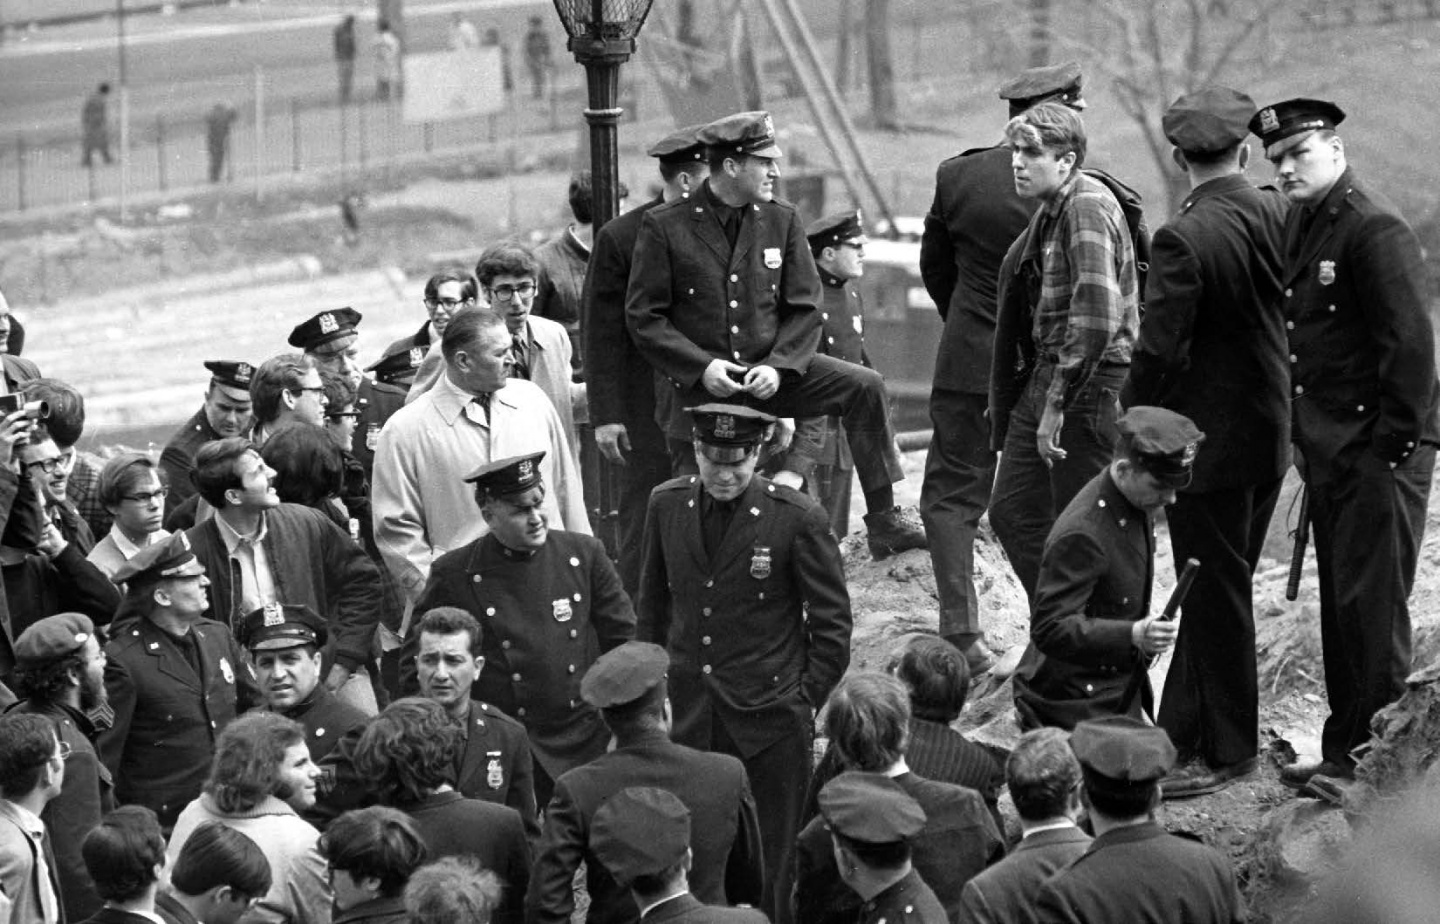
(561, 610)
(274, 615)
(725, 426)
(1327, 272)
(772, 257)
(417, 356)
(1268, 120)
(760, 562)
(494, 774)
(327, 323)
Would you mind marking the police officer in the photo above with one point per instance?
(871, 821)
(285, 642)
(642, 836)
(621, 385)
(1134, 871)
(226, 412)
(628, 685)
(975, 216)
(174, 679)
(742, 582)
(820, 455)
(548, 601)
(1091, 631)
(1211, 346)
(724, 301)
(331, 339)
(1363, 412)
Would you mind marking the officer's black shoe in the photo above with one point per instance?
(895, 530)
(1199, 779)
(1298, 775)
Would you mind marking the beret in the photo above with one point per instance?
(52, 637)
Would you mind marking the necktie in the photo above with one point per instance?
(520, 365)
(49, 903)
(483, 402)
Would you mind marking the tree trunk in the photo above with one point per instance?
(882, 67)
(843, 50)
(1039, 32)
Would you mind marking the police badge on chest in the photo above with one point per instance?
(494, 773)
(760, 562)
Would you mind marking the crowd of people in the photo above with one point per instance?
(351, 650)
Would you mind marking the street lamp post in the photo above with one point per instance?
(602, 37)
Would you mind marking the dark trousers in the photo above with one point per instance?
(959, 473)
(829, 387)
(642, 471)
(779, 777)
(1210, 706)
(830, 485)
(1369, 523)
(1029, 495)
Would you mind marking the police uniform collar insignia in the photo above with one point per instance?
(725, 426)
(561, 609)
(1268, 120)
(327, 323)
(1327, 272)
(760, 562)
(274, 615)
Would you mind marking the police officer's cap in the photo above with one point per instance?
(1208, 121)
(640, 831)
(624, 674)
(276, 626)
(52, 637)
(682, 146)
(870, 808)
(750, 133)
(398, 365)
(1284, 125)
(1165, 441)
(169, 558)
(231, 373)
(727, 433)
(510, 476)
(325, 327)
(846, 227)
(1038, 84)
(1121, 755)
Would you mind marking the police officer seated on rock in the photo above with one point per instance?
(1134, 871)
(1091, 632)
(724, 301)
(285, 642)
(871, 820)
(642, 835)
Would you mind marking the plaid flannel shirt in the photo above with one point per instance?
(1089, 301)
(83, 490)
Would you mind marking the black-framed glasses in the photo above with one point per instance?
(145, 497)
(48, 466)
(317, 389)
(506, 292)
(451, 303)
(341, 415)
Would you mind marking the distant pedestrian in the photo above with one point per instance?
(463, 35)
(492, 40)
(217, 136)
(95, 124)
(387, 62)
(537, 56)
(345, 56)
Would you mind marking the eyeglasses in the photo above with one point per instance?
(48, 466)
(145, 497)
(65, 752)
(505, 293)
(450, 303)
(339, 415)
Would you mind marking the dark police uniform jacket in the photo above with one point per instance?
(620, 383)
(86, 795)
(177, 460)
(377, 402)
(1142, 874)
(167, 719)
(546, 618)
(760, 634)
(1363, 356)
(692, 299)
(975, 217)
(326, 720)
(687, 909)
(909, 901)
(1212, 342)
(1095, 580)
(724, 829)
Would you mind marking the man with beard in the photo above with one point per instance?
(60, 670)
(285, 642)
(226, 412)
(174, 678)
